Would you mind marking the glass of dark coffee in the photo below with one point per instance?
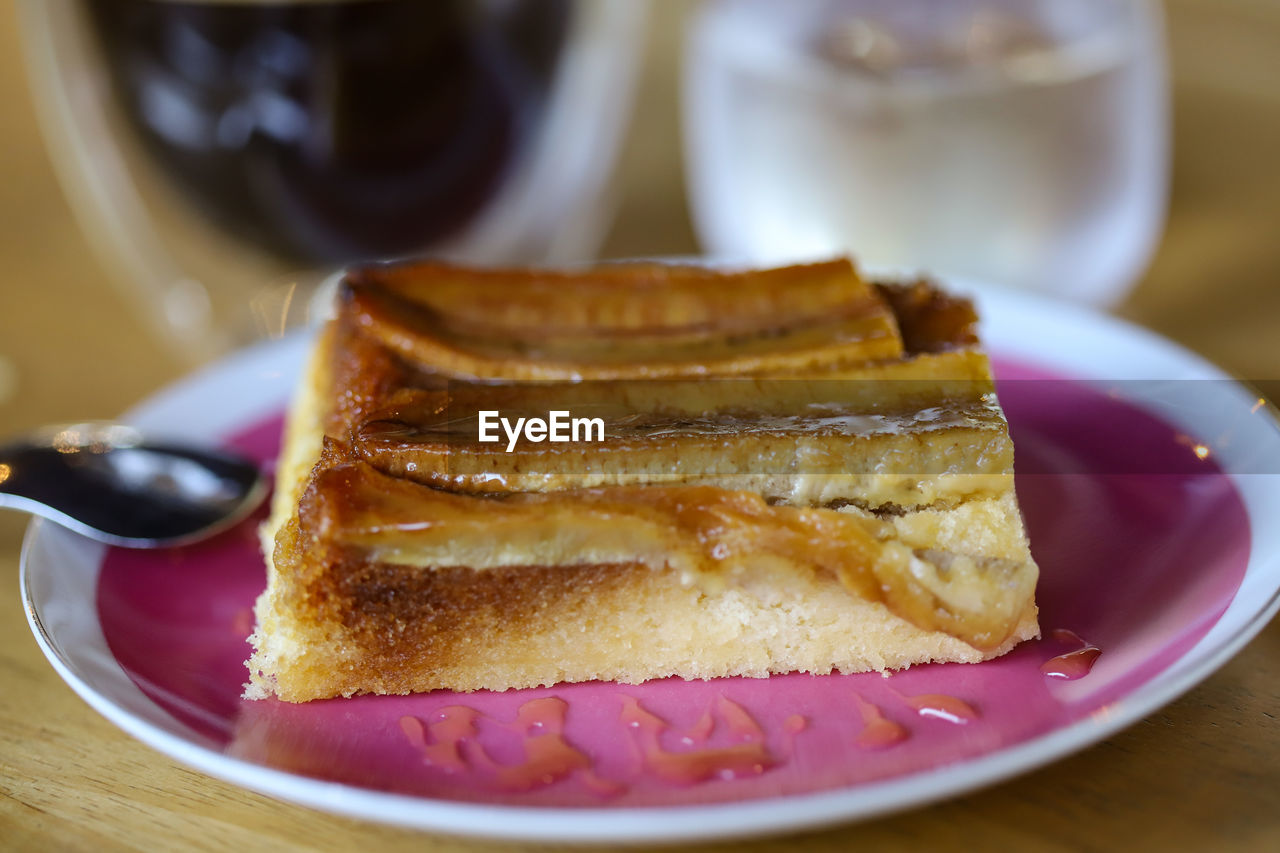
(209, 148)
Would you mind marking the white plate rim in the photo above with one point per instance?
(1016, 325)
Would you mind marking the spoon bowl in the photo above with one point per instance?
(106, 481)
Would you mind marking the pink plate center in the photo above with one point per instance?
(1141, 543)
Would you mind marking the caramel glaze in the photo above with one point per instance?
(862, 331)
(377, 353)
(373, 361)
(879, 732)
(929, 319)
(893, 387)
(451, 741)
(877, 454)
(940, 706)
(364, 375)
(749, 757)
(622, 300)
(373, 525)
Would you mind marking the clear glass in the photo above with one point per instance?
(1021, 143)
(220, 156)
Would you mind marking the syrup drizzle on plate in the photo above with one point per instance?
(451, 739)
(451, 742)
(1074, 664)
(749, 756)
(943, 707)
(879, 732)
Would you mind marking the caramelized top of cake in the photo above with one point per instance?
(420, 325)
(627, 321)
(617, 302)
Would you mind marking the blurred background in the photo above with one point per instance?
(1122, 156)
(179, 190)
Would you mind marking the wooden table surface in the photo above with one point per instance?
(1203, 773)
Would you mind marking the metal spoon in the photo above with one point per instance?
(109, 483)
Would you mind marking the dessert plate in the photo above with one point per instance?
(1146, 476)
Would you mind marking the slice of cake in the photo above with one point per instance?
(497, 479)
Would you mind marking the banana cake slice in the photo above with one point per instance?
(780, 470)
